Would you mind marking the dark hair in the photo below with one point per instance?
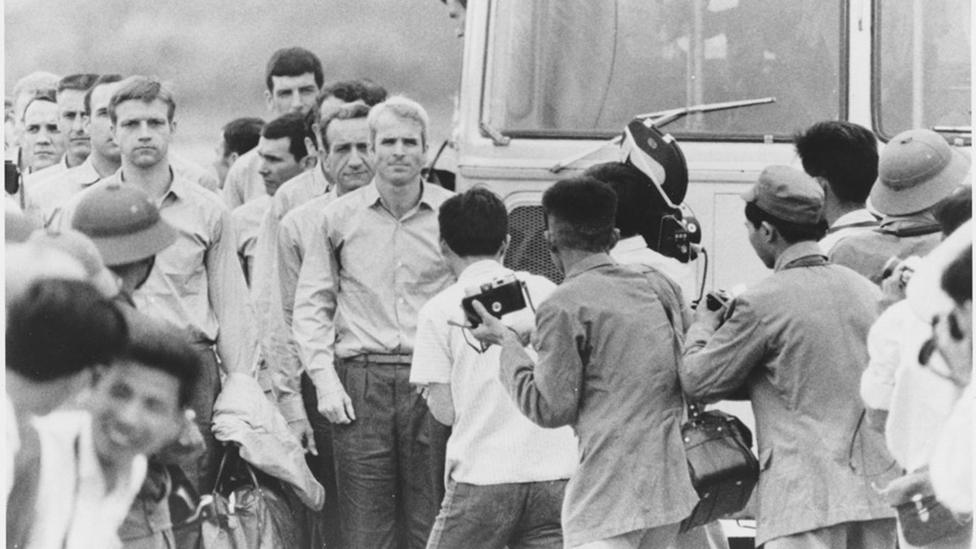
(345, 112)
(955, 209)
(364, 90)
(77, 82)
(293, 62)
(587, 208)
(162, 346)
(639, 206)
(474, 222)
(145, 89)
(294, 126)
(241, 135)
(103, 79)
(58, 328)
(957, 279)
(844, 154)
(791, 232)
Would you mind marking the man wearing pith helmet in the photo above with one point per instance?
(127, 229)
(795, 343)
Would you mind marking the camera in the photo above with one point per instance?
(680, 235)
(500, 296)
(717, 299)
(11, 177)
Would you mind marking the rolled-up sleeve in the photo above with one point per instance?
(313, 323)
(716, 365)
(229, 300)
(547, 391)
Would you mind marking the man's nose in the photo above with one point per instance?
(78, 124)
(296, 102)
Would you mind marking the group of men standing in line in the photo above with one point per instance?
(330, 269)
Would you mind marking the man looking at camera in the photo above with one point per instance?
(607, 366)
(501, 467)
(795, 343)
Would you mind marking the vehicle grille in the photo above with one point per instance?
(527, 250)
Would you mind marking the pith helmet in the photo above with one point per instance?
(122, 222)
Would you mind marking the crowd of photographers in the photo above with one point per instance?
(294, 318)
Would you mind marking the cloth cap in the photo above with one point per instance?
(83, 249)
(122, 221)
(917, 169)
(788, 194)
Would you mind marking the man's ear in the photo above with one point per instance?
(172, 126)
(614, 238)
(309, 161)
(504, 247)
(768, 232)
(310, 147)
(445, 249)
(269, 100)
(232, 157)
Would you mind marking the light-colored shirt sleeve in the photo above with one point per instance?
(432, 358)
(313, 322)
(716, 364)
(236, 344)
(548, 391)
(287, 362)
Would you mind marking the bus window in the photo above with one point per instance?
(922, 66)
(578, 68)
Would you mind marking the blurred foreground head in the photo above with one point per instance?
(57, 330)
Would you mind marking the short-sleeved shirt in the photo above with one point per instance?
(491, 441)
(361, 289)
(607, 366)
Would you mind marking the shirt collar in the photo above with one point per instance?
(590, 262)
(371, 194)
(796, 251)
(854, 217)
(177, 185)
(481, 269)
(87, 174)
(630, 244)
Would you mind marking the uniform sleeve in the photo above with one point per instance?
(432, 357)
(716, 365)
(547, 392)
(229, 299)
(313, 322)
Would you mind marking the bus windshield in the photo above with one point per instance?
(578, 68)
(923, 66)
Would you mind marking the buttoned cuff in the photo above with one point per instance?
(292, 407)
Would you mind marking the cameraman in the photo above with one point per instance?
(796, 343)
(501, 468)
(607, 365)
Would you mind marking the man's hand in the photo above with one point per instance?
(491, 330)
(710, 319)
(302, 430)
(336, 406)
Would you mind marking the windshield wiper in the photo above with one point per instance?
(661, 119)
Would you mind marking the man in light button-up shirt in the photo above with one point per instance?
(355, 318)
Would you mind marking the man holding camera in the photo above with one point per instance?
(796, 344)
(501, 468)
(607, 365)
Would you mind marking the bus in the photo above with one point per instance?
(547, 85)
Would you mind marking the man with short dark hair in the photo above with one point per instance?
(500, 467)
(355, 318)
(795, 343)
(283, 153)
(103, 160)
(607, 366)
(917, 170)
(72, 116)
(236, 138)
(136, 408)
(293, 79)
(843, 158)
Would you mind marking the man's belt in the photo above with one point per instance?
(383, 358)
